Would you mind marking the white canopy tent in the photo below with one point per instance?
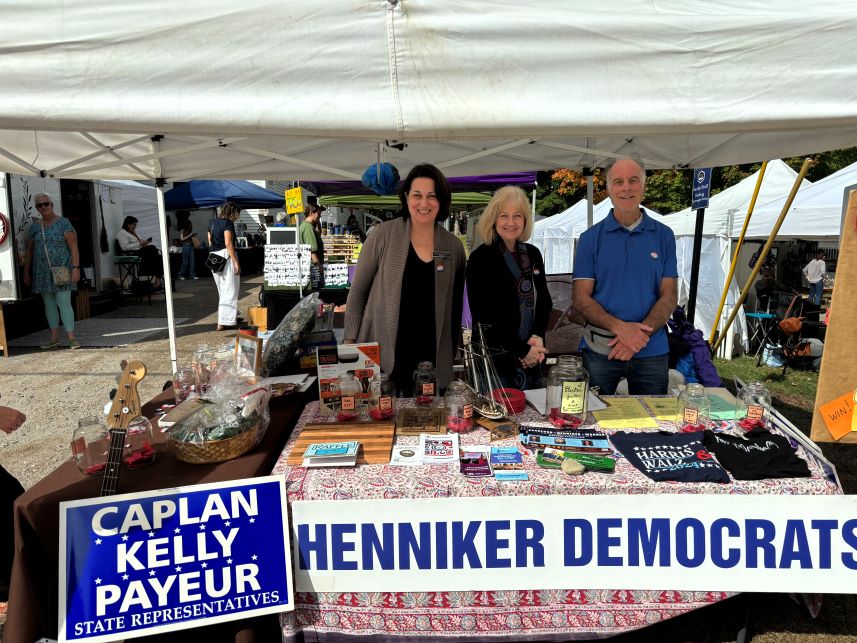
(200, 90)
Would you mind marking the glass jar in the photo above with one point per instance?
(425, 384)
(458, 403)
(90, 443)
(754, 400)
(350, 398)
(185, 383)
(382, 397)
(139, 448)
(694, 409)
(567, 392)
(203, 357)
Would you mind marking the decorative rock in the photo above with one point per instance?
(572, 467)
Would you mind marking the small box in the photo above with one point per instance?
(312, 342)
(258, 317)
(361, 360)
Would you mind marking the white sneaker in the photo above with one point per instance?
(181, 278)
(195, 277)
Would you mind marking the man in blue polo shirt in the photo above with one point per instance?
(625, 287)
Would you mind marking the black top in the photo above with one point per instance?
(217, 228)
(493, 298)
(758, 455)
(662, 455)
(415, 339)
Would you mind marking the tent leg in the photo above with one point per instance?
(168, 282)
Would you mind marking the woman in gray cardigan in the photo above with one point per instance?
(408, 287)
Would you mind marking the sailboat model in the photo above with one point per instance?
(483, 379)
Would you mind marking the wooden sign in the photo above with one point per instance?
(375, 438)
(413, 421)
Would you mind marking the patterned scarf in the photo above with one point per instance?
(522, 273)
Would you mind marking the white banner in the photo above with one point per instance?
(702, 542)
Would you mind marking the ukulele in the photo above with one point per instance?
(125, 408)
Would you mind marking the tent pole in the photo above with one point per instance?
(714, 331)
(764, 253)
(168, 282)
(590, 197)
(694, 264)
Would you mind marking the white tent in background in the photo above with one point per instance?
(727, 209)
(816, 212)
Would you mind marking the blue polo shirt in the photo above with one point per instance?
(627, 267)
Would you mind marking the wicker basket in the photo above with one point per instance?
(215, 450)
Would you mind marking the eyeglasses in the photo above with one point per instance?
(43, 205)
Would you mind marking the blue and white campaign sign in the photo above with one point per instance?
(139, 564)
(701, 188)
(704, 542)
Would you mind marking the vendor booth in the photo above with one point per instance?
(160, 110)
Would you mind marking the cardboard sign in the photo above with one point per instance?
(139, 564)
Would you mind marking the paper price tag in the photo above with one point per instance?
(755, 411)
(691, 416)
(428, 389)
(385, 402)
(468, 410)
(348, 403)
(573, 398)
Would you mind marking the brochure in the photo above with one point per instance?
(438, 449)
(331, 454)
(506, 458)
(551, 458)
(405, 456)
(475, 462)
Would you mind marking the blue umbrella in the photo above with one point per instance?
(197, 195)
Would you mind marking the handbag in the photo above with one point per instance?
(215, 262)
(791, 325)
(60, 275)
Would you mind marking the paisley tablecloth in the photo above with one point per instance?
(522, 615)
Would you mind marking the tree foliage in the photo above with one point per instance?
(670, 190)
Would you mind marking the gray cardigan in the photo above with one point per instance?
(372, 311)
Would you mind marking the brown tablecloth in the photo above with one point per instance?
(32, 611)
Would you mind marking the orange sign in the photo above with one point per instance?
(838, 415)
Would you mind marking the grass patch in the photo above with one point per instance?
(796, 388)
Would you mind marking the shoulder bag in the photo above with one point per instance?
(215, 262)
(60, 275)
(791, 325)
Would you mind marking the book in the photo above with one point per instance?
(331, 454)
(438, 449)
(506, 458)
(475, 462)
(405, 456)
(574, 440)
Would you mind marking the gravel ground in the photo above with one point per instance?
(58, 387)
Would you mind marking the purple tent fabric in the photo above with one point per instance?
(705, 371)
(486, 183)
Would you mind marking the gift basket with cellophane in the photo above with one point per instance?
(231, 420)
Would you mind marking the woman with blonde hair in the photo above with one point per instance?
(507, 289)
(221, 241)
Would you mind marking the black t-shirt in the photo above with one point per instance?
(758, 455)
(666, 456)
(415, 338)
(217, 229)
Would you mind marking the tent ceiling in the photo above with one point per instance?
(303, 90)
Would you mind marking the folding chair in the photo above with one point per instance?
(762, 326)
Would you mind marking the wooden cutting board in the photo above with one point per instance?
(375, 438)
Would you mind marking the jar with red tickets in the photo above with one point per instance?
(567, 391)
(458, 404)
(350, 400)
(425, 384)
(694, 409)
(382, 397)
(754, 400)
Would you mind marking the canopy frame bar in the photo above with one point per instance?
(249, 149)
(112, 152)
(20, 161)
(486, 152)
(103, 149)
